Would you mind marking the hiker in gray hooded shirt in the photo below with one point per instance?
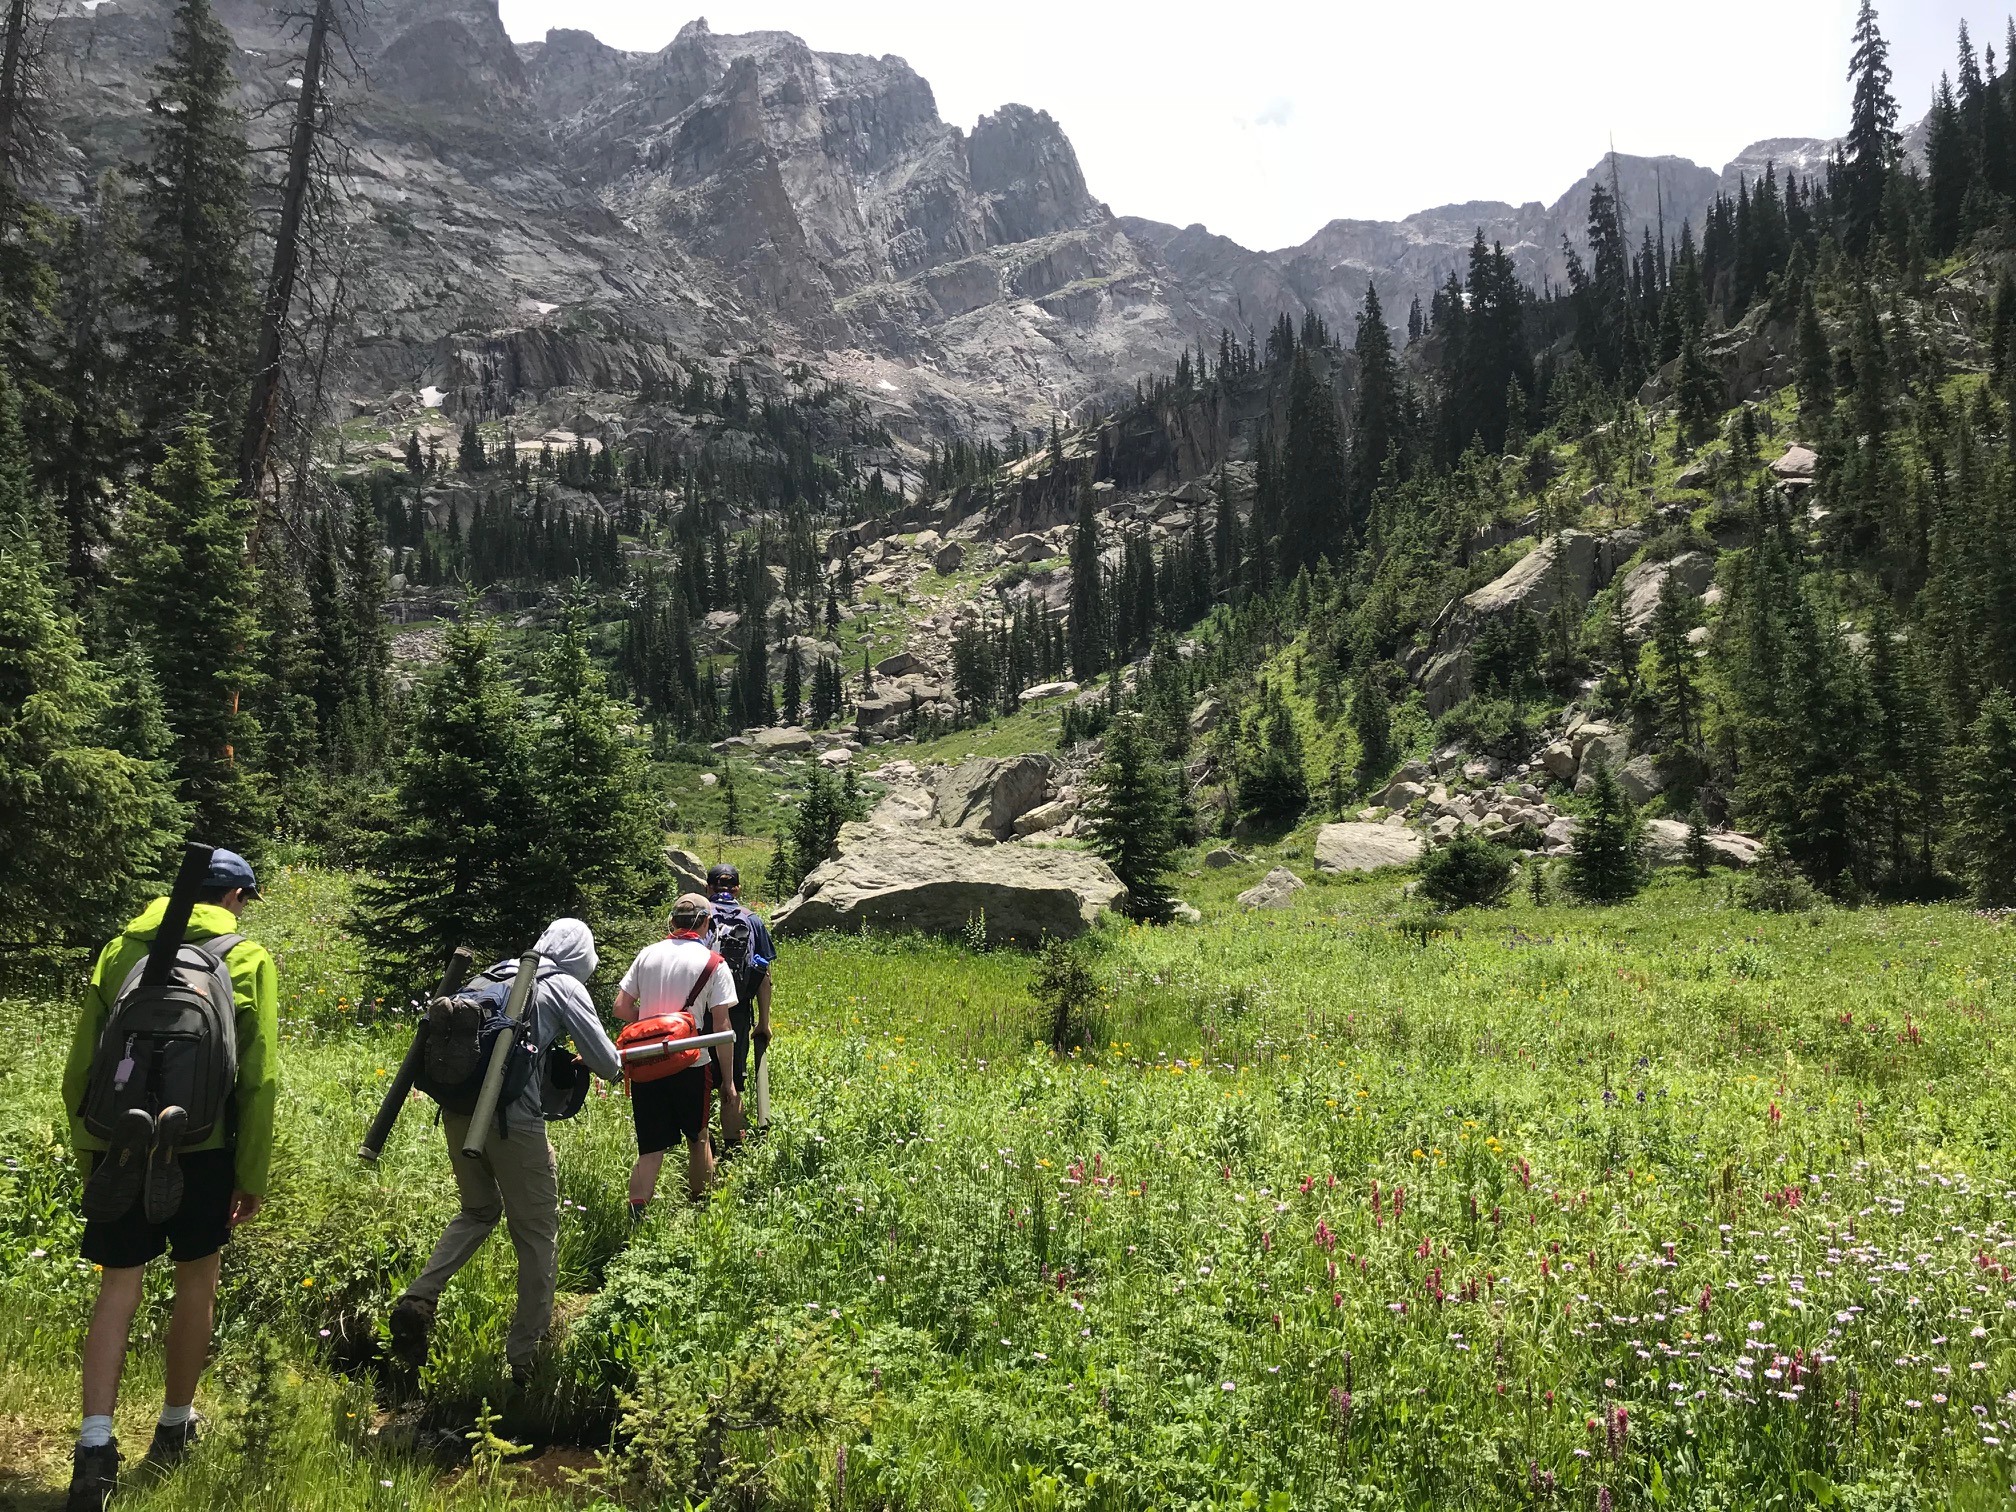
(517, 1177)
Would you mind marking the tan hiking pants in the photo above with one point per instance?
(518, 1179)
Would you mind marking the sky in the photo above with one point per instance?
(1266, 119)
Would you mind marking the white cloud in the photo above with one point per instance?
(1278, 111)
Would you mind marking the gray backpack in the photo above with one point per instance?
(172, 1045)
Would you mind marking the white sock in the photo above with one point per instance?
(97, 1432)
(175, 1417)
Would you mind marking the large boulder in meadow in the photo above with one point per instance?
(989, 793)
(782, 740)
(1364, 847)
(1666, 845)
(689, 872)
(1275, 890)
(935, 881)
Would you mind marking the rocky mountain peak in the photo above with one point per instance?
(1021, 160)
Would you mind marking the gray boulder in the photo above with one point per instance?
(1562, 565)
(1559, 760)
(1029, 548)
(1223, 856)
(1048, 690)
(902, 664)
(1364, 847)
(1204, 718)
(1666, 845)
(948, 558)
(1045, 816)
(1642, 585)
(1797, 465)
(1275, 890)
(689, 872)
(1604, 750)
(787, 740)
(936, 881)
(989, 793)
(1640, 779)
(1400, 793)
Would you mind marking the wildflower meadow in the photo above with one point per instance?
(1666, 1205)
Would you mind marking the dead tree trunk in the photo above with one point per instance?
(263, 410)
(13, 83)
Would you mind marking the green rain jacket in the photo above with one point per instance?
(255, 984)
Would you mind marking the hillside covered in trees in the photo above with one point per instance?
(1730, 505)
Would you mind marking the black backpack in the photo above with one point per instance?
(174, 1044)
(734, 942)
(460, 1033)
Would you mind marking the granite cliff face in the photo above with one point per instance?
(565, 214)
(565, 218)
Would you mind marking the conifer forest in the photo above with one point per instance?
(1392, 882)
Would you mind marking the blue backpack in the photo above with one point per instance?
(735, 942)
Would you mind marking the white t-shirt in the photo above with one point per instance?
(662, 977)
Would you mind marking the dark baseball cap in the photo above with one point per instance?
(228, 869)
(721, 875)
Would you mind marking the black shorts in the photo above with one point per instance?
(672, 1108)
(196, 1232)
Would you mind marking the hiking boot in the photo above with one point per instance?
(412, 1321)
(163, 1194)
(94, 1476)
(122, 1169)
(172, 1444)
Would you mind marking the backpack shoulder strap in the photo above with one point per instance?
(218, 947)
(713, 965)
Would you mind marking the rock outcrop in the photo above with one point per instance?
(937, 881)
(989, 793)
(1694, 571)
(1275, 890)
(1569, 564)
(1364, 847)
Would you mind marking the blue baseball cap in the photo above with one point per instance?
(229, 869)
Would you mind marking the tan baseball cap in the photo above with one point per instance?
(691, 909)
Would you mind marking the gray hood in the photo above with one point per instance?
(570, 945)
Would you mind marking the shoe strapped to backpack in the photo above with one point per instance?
(161, 1079)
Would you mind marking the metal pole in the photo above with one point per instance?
(452, 978)
(500, 1052)
(644, 1054)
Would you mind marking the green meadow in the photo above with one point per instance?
(1666, 1205)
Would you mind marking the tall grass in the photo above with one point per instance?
(1691, 1206)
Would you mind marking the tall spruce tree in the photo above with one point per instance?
(89, 379)
(600, 847)
(450, 864)
(1983, 849)
(1375, 427)
(1134, 816)
(1372, 723)
(1088, 614)
(1862, 169)
(188, 592)
(83, 824)
(192, 295)
(1608, 864)
(1314, 522)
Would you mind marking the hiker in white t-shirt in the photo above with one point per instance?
(663, 980)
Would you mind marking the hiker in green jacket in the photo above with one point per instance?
(222, 1182)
